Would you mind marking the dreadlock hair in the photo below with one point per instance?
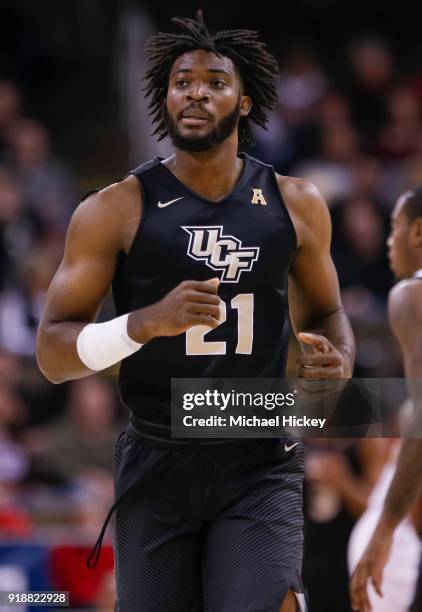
(256, 66)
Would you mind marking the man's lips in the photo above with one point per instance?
(194, 113)
(191, 121)
(194, 116)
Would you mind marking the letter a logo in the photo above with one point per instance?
(258, 197)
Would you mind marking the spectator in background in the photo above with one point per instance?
(10, 369)
(18, 228)
(10, 110)
(302, 85)
(402, 176)
(333, 170)
(368, 178)
(44, 401)
(81, 444)
(399, 146)
(47, 187)
(364, 171)
(71, 477)
(360, 233)
(15, 522)
(78, 451)
(372, 75)
(21, 305)
(13, 413)
(292, 130)
(360, 228)
(334, 109)
(273, 145)
(412, 170)
(402, 135)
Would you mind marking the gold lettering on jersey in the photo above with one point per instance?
(258, 197)
(219, 252)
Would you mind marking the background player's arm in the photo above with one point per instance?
(405, 313)
(80, 284)
(314, 296)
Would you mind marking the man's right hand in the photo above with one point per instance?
(370, 568)
(190, 303)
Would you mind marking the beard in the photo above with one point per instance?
(196, 144)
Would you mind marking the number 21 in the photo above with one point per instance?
(195, 336)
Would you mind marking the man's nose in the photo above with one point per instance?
(198, 93)
(390, 241)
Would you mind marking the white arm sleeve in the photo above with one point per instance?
(101, 345)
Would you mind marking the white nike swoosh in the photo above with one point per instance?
(288, 447)
(164, 204)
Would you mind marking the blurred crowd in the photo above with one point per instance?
(56, 443)
(356, 134)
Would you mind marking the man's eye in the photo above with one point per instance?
(181, 82)
(217, 83)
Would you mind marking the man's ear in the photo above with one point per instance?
(245, 105)
(416, 233)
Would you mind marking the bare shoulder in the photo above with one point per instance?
(305, 204)
(405, 303)
(111, 214)
(110, 203)
(297, 189)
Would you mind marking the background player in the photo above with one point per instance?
(205, 211)
(405, 313)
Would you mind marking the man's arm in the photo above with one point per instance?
(94, 238)
(314, 295)
(405, 313)
(101, 227)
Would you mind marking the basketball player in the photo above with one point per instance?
(405, 314)
(198, 249)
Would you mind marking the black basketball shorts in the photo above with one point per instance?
(217, 529)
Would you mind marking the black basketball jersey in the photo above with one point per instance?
(247, 240)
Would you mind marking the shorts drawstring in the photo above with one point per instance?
(143, 478)
(98, 544)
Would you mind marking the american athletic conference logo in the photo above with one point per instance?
(225, 254)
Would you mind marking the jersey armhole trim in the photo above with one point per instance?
(285, 208)
(143, 215)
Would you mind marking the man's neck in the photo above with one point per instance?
(417, 268)
(212, 174)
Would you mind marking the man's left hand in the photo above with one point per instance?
(320, 359)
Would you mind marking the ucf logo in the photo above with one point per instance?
(222, 253)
